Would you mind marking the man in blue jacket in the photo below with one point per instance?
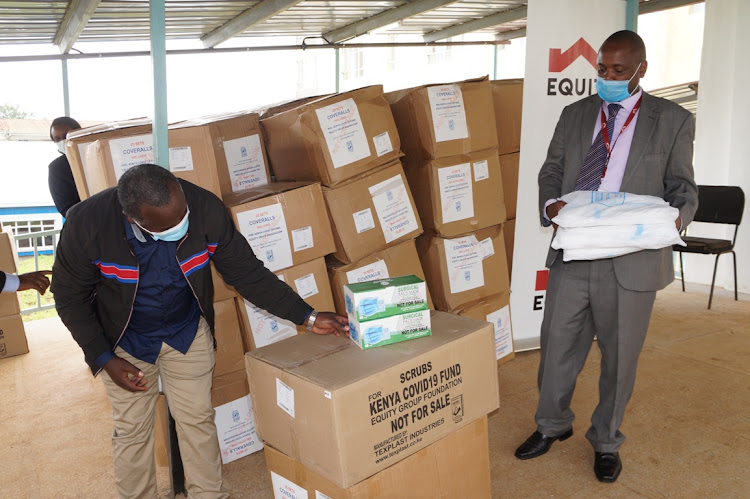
(133, 285)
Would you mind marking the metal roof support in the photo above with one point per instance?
(384, 18)
(252, 16)
(658, 5)
(66, 89)
(338, 69)
(510, 35)
(157, 18)
(73, 23)
(631, 15)
(505, 16)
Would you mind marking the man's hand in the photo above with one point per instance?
(329, 322)
(34, 280)
(554, 209)
(678, 223)
(126, 375)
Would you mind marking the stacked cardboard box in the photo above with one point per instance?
(351, 418)
(12, 333)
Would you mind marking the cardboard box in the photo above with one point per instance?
(371, 213)
(12, 336)
(439, 121)
(509, 167)
(457, 465)
(464, 269)
(310, 281)
(507, 95)
(389, 330)
(348, 413)
(401, 259)
(161, 432)
(9, 304)
(229, 351)
(380, 298)
(333, 138)
(495, 310)
(234, 419)
(77, 141)
(459, 194)
(286, 223)
(509, 234)
(222, 290)
(280, 107)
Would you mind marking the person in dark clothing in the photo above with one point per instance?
(133, 284)
(62, 186)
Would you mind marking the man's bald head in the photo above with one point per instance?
(627, 38)
(621, 57)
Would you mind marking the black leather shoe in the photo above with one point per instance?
(538, 444)
(607, 466)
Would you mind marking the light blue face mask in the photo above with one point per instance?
(174, 234)
(61, 146)
(614, 90)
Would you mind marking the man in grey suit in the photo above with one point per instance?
(626, 140)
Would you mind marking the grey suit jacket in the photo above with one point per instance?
(660, 164)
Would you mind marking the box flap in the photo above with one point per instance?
(212, 118)
(248, 195)
(108, 127)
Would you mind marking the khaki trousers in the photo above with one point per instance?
(186, 382)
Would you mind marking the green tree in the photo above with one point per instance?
(13, 112)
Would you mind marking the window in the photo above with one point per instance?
(353, 64)
(23, 227)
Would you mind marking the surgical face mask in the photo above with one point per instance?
(61, 146)
(174, 234)
(614, 90)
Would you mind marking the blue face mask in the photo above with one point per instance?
(61, 146)
(614, 90)
(174, 234)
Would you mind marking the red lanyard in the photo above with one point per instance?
(605, 133)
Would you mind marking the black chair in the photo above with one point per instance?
(716, 204)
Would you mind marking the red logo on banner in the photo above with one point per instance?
(541, 280)
(559, 60)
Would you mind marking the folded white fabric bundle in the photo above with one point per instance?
(596, 225)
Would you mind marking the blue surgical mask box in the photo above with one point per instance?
(387, 330)
(367, 301)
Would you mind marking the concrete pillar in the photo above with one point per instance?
(722, 142)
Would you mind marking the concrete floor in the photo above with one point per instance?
(687, 424)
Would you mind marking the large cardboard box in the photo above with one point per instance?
(495, 310)
(464, 269)
(509, 234)
(457, 465)
(161, 432)
(371, 213)
(509, 167)
(348, 413)
(286, 223)
(229, 351)
(12, 337)
(234, 419)
(310, 281)
(333, 138)
(507, 95)
(77, 141)
(222, 290)
(9, 304)
(459, 194)
(398, 260)
(439, 121)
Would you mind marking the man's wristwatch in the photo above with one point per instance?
(311, 321)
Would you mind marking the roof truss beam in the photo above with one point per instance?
(251, 17)
(510, 35)
(73, 23)
(505, 16)
(384, 18)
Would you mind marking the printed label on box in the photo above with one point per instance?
(235, 425)
(180, 159)
(265, 230)
(486, 248)
(320, 495)
(448, 112)
(306, 286)
(266, 327)
(285, 397)
(131, 151)
(481, 170)
(245, 162)
(363, 220)
(394, 208)
(345, 136)
(456, 192)
(302, 238)
(500, 320)
(285, 489)
(382, 143)
(370, 272)
(464, 262)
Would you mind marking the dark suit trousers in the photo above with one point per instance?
(584, 299)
